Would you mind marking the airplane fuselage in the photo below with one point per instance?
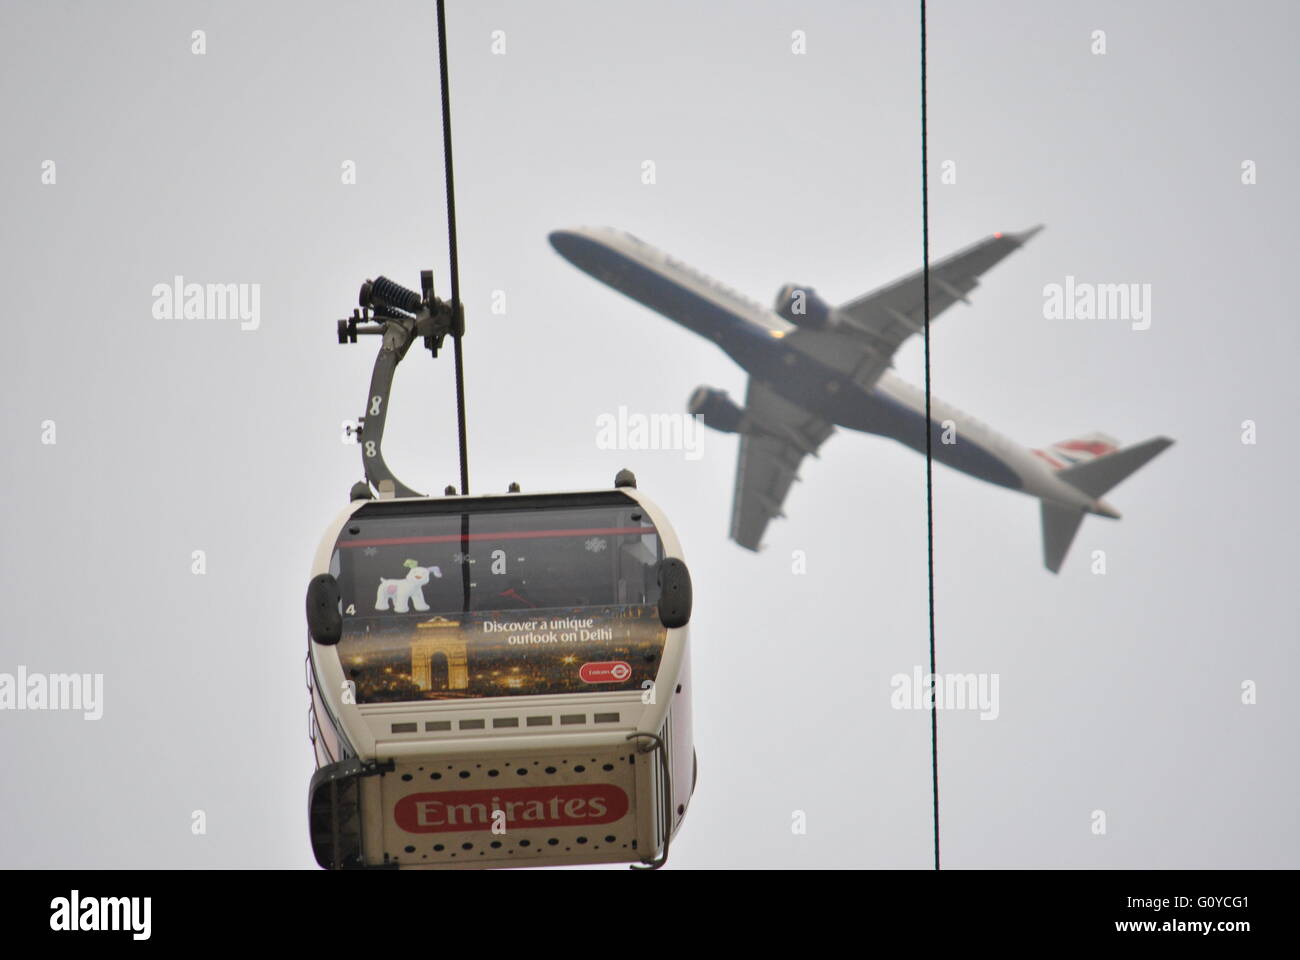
(757, 339)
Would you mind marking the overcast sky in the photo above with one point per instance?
(1119, 692)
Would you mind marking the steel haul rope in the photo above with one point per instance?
(929, 441)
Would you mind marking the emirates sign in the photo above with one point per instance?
(460, 811)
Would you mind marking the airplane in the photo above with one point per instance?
(813, 367)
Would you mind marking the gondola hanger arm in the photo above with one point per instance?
(399, 316)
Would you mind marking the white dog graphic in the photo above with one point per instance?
(409, 589)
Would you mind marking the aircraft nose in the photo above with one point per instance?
(574, 246)
(564, 242)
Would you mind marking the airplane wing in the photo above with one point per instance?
(886, 317)
(777, 436)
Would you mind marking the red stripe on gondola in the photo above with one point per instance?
(504, 535)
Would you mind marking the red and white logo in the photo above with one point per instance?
(605, 671)
(461, 811)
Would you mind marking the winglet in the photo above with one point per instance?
(1024, 236)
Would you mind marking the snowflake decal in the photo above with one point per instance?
(595, 544)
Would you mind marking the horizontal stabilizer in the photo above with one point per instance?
(1097, 477)
(1060, 524)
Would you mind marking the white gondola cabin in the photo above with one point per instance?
(499, 681)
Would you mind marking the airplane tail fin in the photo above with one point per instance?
(1096, 473)
(1067, 453)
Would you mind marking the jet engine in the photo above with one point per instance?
(802, 307)
(717, 409)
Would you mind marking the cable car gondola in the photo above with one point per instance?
(496, 681)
